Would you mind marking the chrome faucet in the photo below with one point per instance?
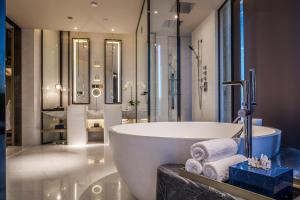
(247, 108)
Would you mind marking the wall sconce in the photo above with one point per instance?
(57, 86)
(97, 65)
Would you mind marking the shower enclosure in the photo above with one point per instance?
(158, 68)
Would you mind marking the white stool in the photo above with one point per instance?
(76, 125)
(112, 117)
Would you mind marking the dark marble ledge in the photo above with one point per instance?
(289, 157)
(171, 186)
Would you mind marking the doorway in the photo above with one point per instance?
(13, 95)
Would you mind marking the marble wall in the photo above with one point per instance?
(31, 83)
(207, 32)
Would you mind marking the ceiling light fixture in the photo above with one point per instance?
(94, 4)
(175, 16)
(75, 28)
(155, 12)
(112, 29)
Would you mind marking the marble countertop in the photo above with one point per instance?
(172, 186)
(289, 157)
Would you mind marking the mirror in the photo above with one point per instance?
(113, 71)
(81, 71)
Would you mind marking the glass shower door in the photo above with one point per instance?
(163, 60)
(141, 102)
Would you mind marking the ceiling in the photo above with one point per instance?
(166, 11)
(120, 15)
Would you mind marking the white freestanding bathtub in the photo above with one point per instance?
(138, 149)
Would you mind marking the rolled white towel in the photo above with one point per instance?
(212, 150)
(219, 170)
(193, 166)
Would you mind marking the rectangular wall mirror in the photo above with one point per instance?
(113, 71)
(81, 71)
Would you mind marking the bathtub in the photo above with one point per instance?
(138, 149)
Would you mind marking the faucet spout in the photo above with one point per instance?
(247, 108)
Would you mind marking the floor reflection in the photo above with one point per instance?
(58, 172)
(108, 188)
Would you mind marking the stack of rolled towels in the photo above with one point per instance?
(213, 158)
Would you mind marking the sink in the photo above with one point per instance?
(57, 114)
(94, 114)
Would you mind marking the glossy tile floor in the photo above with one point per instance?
(64, 173)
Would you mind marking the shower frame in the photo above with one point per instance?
(147, 4)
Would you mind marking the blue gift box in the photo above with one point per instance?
(276, 182)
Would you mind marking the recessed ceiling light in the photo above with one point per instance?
(175, 16)
(69, 17)
(112, 29)
(75, 28)
(155, 12)
(94, 4)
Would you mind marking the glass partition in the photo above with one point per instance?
(142, 55)
(225, 62)
(163, 60)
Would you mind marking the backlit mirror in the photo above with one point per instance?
(113, 71)
(81, 71)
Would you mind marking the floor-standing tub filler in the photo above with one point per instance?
(138, 149)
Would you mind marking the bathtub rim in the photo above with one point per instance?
(112, 129)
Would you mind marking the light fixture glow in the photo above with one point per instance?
(175, 16)
(94, 4)
(58, 197)
(57, 86)
(96, 92)
(155, 12)
(119, 71)
(75, 68)
(97, 189)
(75, 28)
(112, 29)
(63, 89)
